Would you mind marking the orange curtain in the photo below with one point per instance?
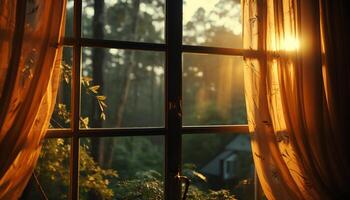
(293, 101)
(30, 34)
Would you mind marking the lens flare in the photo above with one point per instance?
(291, 44)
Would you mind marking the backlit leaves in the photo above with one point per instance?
(84, 122)
(66, 72)
(63, 113)
(93, 90)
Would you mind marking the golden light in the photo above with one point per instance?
(291, 44)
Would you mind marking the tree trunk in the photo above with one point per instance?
(153, 106)
(98, 59)
(126, 82)
(130, 61)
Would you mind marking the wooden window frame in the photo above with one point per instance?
(173, 128)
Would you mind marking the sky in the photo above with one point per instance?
(191, 7)
(188, 10)
(231, 22)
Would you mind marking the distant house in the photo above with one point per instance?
(233, 162)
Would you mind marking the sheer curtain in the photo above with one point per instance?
(294, 103)
(30, 34)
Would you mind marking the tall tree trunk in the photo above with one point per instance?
(98, 59)
(126, 82)
(130, 61)
(153, 106)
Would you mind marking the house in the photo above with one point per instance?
(232, 162)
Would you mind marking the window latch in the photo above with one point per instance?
(187, 184)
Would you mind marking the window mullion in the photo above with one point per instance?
(74, 162)
(173, 99)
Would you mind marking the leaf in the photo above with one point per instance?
(87, 79)
(66, 78)
(85, 122)
(94, 88)
(103, 116)
(60, 141)
(200, 176)
(100, 105)
(101, 97)
(103, 104)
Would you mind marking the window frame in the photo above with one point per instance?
(173, 128)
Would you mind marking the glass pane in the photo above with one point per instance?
(122, 168)
(134, 20)
(213, 90)
(69, 18)
(122, 88)
(212, 23)
(52, 171)
(61, 115)
(220, 166)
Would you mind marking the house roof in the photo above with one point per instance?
(213, 167)
(239, 143)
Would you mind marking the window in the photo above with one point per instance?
(149, 93)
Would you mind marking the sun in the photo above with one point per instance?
(291, 44)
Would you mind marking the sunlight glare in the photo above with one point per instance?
(291, 44)
(191, 6)
(231, 20)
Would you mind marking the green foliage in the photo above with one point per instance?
(61, 116)
(198, 188)
(221, 195)
(146, 185)
(194, 193)
(93, 177)
(52, 168)
(53, 171)
(137, 154)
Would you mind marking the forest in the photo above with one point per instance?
(125, 89)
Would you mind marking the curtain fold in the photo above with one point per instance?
(298, 105)
(30, 37)
(335, 33)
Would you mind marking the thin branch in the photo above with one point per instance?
(39, 187)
